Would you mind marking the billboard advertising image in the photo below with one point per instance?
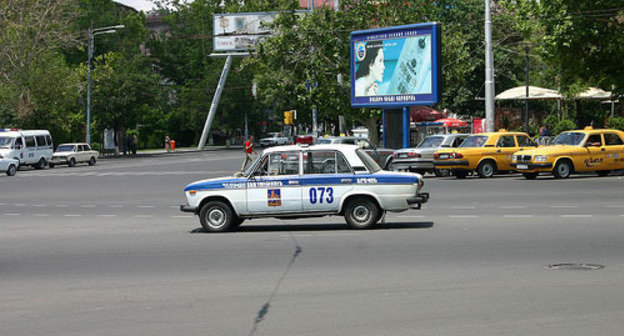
(396, 66)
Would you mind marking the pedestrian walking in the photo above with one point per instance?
(543, 131)
(134, 144)
(249, 149)
(167, 143)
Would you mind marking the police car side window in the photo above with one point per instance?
(41, 142)
(319, 162)
(30, 141)
(342, 165)
(284, 163)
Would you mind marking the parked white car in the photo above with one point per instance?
(30, 148)
(8, 165)
(74, 153)
(274, 139)
(305, 181)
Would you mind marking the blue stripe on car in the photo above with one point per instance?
(304, 180)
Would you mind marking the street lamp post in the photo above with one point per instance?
(92, 32)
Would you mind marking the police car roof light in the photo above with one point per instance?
(9, 129)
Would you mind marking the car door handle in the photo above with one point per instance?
(293, 182)
(346, 181)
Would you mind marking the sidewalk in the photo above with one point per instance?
(178, 151)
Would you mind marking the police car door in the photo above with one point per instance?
(274, 186)
(326, 178)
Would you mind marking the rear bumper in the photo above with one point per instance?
(188, 208)
(412, 164)
(418, 201)
(451, 163)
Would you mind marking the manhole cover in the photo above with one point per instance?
(575, 266)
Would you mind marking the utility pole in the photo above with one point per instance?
(92, 32)
(215, 102)
(489, 71)
(526, 98)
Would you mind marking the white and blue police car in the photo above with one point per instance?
(305, 181)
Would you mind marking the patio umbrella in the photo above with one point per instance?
(535, 93)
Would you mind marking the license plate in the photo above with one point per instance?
(523, 167)
(443, 156)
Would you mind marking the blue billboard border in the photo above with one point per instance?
(435, 60)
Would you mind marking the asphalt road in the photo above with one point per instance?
(104, 251)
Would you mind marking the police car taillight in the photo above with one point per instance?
(413, 155)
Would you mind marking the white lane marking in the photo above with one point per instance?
(39, 205)
(146, 206)
(88, 206)
(512, 207)
(73, 215)
(614, 206)
(563, 206)
(576, 216)
(107, 215)
(19, 204)
(11, 214)
(1, 204)
(182, 216)
(116, 206)
(41, 215)
(61, 205)
(463, 216)
(463, 208)
(517, 216)
(143, 216)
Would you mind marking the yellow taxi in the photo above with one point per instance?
(588, 150)
(485, 153)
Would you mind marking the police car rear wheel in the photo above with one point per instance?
(92, 161)
(40, 164)
(216, 216)
(11, 170)
(361, 213)
(72, 162)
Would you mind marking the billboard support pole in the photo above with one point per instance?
(406, 127)
(489, 71)
(215, 102)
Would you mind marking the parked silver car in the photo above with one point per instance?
(420, 158)
(274, 139)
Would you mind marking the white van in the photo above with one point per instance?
(30, 148)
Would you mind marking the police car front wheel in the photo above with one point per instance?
(361, 213)
(216, 216)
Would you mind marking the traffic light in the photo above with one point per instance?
(289, 117)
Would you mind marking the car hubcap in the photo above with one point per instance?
(563, 170)
(216, 217)
(361, 213)
(487, 170)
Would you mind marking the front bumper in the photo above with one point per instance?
(451, 163)
(188, 208)
(531, 166)
(417, 201)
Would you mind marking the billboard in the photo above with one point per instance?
(240, 31)
(396, 66)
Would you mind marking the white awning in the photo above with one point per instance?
(535, 93)
(594, 93)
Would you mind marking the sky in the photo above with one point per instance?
(144, 5)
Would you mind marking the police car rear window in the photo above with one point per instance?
(368, 161)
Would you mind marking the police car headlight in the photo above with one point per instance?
(540, 158)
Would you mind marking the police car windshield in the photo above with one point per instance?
(474, 141)
(569, 138)
(368, 161)
(252, 167)
(6, 142)
(65, 148)
(431, 142)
